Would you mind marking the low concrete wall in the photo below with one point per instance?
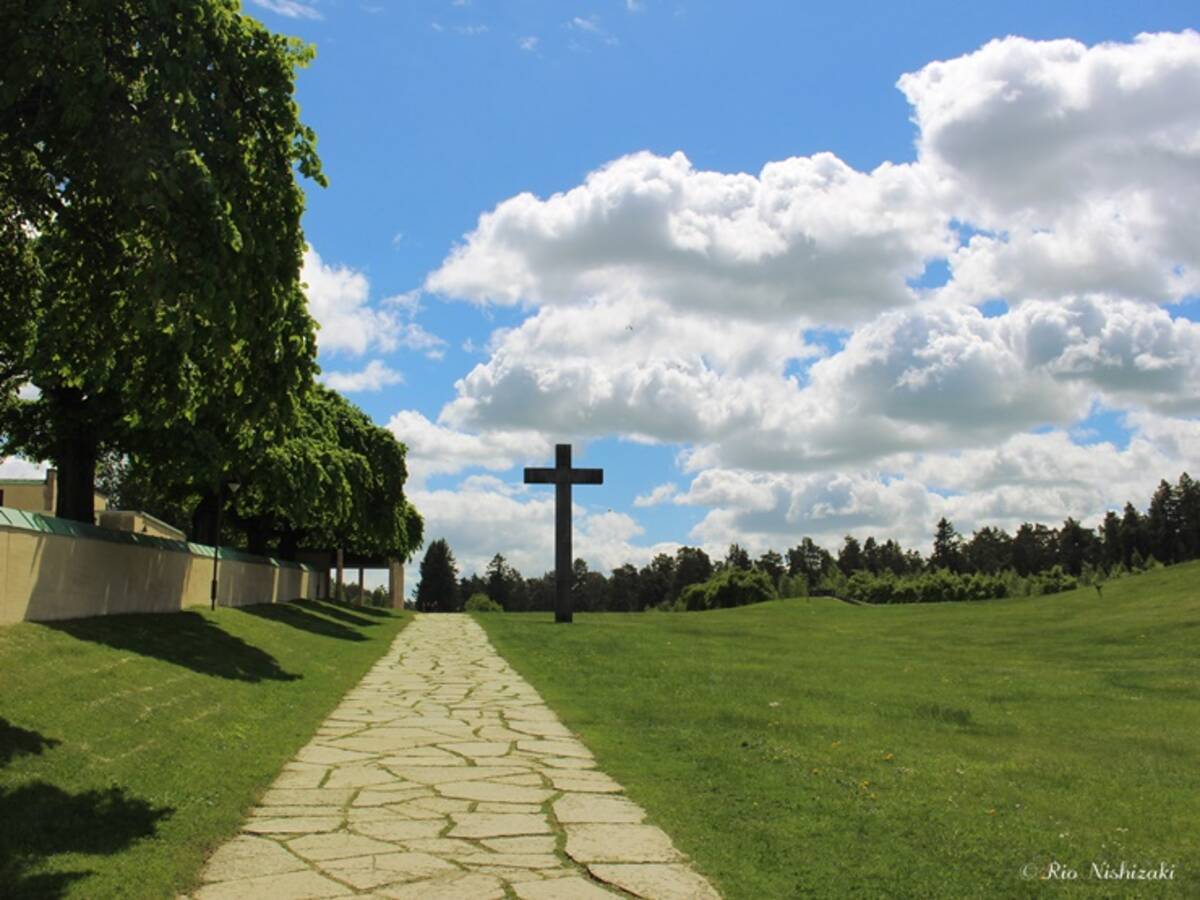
(54, 569)
(138, 522)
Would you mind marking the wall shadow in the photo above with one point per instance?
(291, 614)
(16, 741)
(341, 613)
(184, 639)
(40, 820)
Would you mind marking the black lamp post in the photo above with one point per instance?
(233, 487)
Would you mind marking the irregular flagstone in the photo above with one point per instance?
(462, 886)
(435, 774)
(575, 808)
(571, 888)
(661, 882)
(298, 825)
(359, 776)
(305, 778)
(559, 762)
(619, 843)
(478, 748)
(396, 829)
(306, 797)
(520, 844)
(306, 885)
(501, 793)
(392, 868)
(318, 753)
(482, 825)
(443, 776)
(565, 781)
(511, 860)
(317, 847)
(248, 857)
(572, 749)
(489, 806)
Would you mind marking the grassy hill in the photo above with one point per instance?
(130, 746)
(811, 748)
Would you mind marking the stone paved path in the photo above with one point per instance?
(442, 774)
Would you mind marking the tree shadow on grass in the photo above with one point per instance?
(40, 820)
(183, 638)
(16, 741)
(378, 612)
(292, 614)
(334, 612)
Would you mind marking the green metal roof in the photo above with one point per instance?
(24, 520)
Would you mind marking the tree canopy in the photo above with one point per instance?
(437, 591)
(151, 229)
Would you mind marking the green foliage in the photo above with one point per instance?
(437, 590)
(334, 479)
(938, 586)
(482, 603)
(793, 586)
(728, 588)
(947, 547)
(1054, 580)
(148, 160)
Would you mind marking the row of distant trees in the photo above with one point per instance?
(989, 563)
(154, 333)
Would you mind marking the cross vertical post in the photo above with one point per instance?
(562, 476)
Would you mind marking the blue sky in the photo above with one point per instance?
(431, 114)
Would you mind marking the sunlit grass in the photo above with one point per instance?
(130, 746)
(811, 748)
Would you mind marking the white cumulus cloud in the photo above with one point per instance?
(338, 298)
(675, 305)
(375, 376)
(292, 9)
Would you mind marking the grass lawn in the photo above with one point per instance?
(130, 746)
(811, 748)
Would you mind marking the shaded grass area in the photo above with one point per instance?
(812, 748)
(131, 746)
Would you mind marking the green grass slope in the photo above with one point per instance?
(130, 746)
(811, 748)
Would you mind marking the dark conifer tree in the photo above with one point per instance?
(1162, 524)
(947, 547)
(850, 557)
(438, 588)
(1188, 497)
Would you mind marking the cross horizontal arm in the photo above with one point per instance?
(540, 476)
(587, 476)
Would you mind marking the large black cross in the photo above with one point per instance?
(562, 476)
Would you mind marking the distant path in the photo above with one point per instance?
(444, 775)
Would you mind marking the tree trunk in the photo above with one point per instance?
(258, 535)
(204, 520)
(289, 543)
(75, 452)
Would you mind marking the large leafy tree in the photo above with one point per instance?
(989, 551)
(692, 566)
(151, 228)
(335, 480)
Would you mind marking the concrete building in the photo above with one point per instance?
(33, 495)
